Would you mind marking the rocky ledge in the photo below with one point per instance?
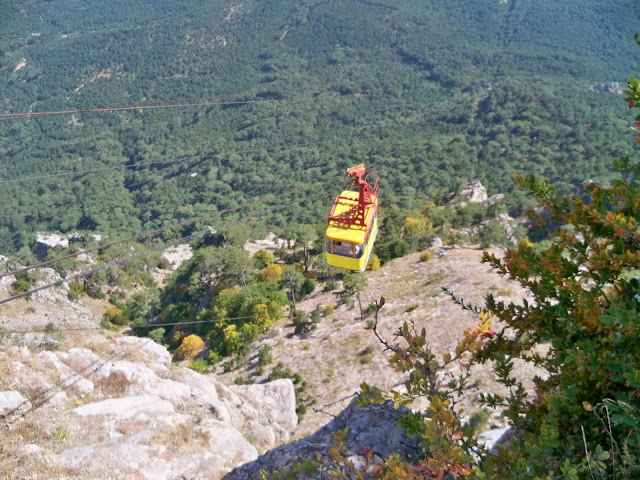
(121, 410)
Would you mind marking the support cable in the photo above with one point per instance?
(144, 325)
(187, 99)
(161, 162)
(150, 107)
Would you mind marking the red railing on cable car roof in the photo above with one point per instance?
(367, 197)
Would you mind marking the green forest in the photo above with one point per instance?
(437, 93)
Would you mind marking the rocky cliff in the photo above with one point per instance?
(120, 410)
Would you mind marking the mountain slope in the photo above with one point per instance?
(387, 77)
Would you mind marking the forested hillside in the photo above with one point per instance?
(453, 90)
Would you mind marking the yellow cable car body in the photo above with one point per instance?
(353, 224)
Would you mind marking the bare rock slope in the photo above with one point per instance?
(120, 410)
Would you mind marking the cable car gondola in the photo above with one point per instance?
(353, 223)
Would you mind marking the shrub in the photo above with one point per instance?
(199, 365)
(584, 305)
(446, 448)
(19, 286)
(426, 256)
(414, 226)
(163, 263)
(157, 335)
(50, 327)
(96, 293)
(59, 434)
(75, 289)
(176, 338)
(308, 286)
(302, 322)
(214, 357)
(327, 310)
(280, 371)
(115, 316)
(374, 262)
(263, 316)
(263, 258)
(398, 248)
(189, 348)
(73, 295)
(264, 355)
(232, 339)
(244, 381)
(271, 273)
(411, 307)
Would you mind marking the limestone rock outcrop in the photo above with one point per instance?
(127, 412)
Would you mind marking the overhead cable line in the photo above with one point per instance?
(150, 107)
(144, 325)
(145, 252)
(161, 162)
(189, 99)
(162, 229)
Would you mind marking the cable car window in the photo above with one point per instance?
(343, 248)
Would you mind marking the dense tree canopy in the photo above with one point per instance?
(459, 90)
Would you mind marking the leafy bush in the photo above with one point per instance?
(73, 295)
(75, 289)
(199, 365)
(214, 357)
(244, 381)
(115, 316)
(176, 338)
(374, 262)
(263, 258)
(189, 348)
(157, 335)
(411, 307)
(280, 371)
(308, 286)
(24, 282)
(271, 273)
(264, 355)
(303, 322)
(585, 307)
(426, 256)
(399, 248)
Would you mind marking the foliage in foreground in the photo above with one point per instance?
(585, 307)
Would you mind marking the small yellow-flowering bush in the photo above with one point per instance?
(271, 273)
(232, 338)
(189, 348)
(414, 226)
(263, 316)
(374, 262)
(115, 316)
(327, 310)
(264, 258)
(426, 256)
(177, 337)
